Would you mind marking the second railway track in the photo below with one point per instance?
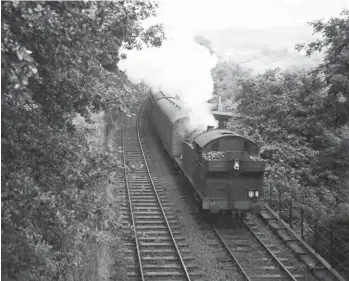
(256, 255)
(160, 248)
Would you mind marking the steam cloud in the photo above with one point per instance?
(180, 67)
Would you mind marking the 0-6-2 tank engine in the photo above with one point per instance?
(224, 168)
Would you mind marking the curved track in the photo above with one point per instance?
(256, 257)
(158, 253)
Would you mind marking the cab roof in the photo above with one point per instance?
(211, 135)
(203, 139)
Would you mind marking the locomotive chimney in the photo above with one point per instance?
(209, 128)
(219, 103)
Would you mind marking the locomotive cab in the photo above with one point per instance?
(228, 172)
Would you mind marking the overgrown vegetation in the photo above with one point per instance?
(59, 60)
(301, 120)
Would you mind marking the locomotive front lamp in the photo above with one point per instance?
(236, 165)
(253, 194)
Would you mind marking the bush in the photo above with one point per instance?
(59, 60)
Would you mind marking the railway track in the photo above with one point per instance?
(160, 249)
(271, 266)
(256, 256)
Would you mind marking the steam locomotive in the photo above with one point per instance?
(223, 168)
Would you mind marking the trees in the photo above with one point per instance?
(204, 42)
(330, 169)
(59, 60)
(300, 117)
(226, 76)
(274, 110)
(335, 67)
(69, 40)
(306, 157)
(301, 121)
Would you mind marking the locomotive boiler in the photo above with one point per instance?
(224, 168)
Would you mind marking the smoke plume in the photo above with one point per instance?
(180, 67)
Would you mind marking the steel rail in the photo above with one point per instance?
(156, 193)
(269, 252)
(130, 202)
(232, 255)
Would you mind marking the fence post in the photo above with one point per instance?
(316, 235)
(331, 245)
(270, 191)
(279, 202)
(302, 222)
(291, 211)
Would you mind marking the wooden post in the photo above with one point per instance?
(291, 211)
(302, 222)
(316, 235)
(279, 203)
(331, 245)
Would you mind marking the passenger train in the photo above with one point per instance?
(223, 168)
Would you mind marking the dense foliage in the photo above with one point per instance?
(59, 59)
(281, 111)
(335, 67)
(226, 76)
(301, 121)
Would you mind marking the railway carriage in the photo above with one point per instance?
(169, 119)
(223, 168)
